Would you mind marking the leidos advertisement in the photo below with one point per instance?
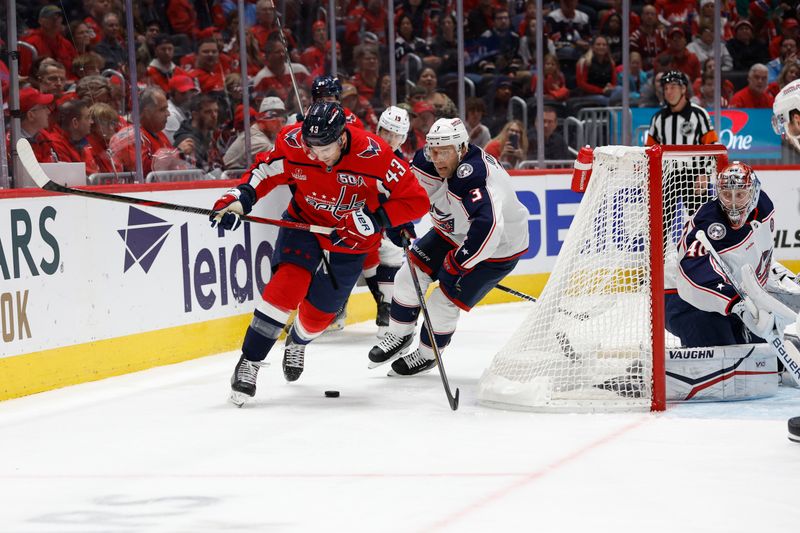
(77, 270)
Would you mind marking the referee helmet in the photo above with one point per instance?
(674, 76)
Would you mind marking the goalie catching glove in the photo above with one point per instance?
(231, 205)
(358, 227)
(781, 279)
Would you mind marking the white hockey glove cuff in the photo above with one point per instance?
(781, 279)
(759, 321)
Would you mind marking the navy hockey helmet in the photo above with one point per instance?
(674, 76)
(323, 124)
(325, 86)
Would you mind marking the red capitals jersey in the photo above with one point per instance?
(367, 176)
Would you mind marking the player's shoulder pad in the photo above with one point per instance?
(471, 173)
(420, 162)
(764, 207)
(366, 145)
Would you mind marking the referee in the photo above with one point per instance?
(681, 122)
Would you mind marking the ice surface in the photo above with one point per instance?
(162, 451)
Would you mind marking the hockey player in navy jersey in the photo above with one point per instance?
(704, 309)
(341, 177)
(479, 232)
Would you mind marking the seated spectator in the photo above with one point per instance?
(478, 133)
(653, 93)
(445, 44)
(510, 147)
(672, 12)
(790, 29)
(611, 28)
(790, 72)
(569, 29)
(97, 9)
(89, 64)
(500, 43)
(555, 147)
(637, 80)
(94, 89)
(34, 108)
(479, 19)
(702, 46)
(181, 91)
(105, 123)
(649, 39)
(418, 11)
(429, 81)
(706, 18)
(409, 42)
(555, 86)
(275, 76)
(269, 121)
(209, 71)
(69, 141)
(153, 111)
(161, 68)
(368, 68)
(764, 29)
(497, 101)
(677, 57)
(359, 106)
(81, 37)
(48, 39)
(744, 48)
(444, 106)
(708, 69)
(266, 26)
(595, 72)
(755, 95)
(314, 57)
(200, 127)
(370, 16)
(182, 17)
(704, 96)
(527, 46)
(50, 77)
(788, 54)
(422, 118)
(616, 9)
(110, 46)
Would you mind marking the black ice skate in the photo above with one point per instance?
(243, 380)
(412, 365)
(293, 359)
(390, 348)
(382, 319)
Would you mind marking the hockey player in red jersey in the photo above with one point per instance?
(341, 177)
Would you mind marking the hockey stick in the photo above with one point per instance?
(452, 400)
(772, 339)
(36, 172)
(289, 63)
(586, 315)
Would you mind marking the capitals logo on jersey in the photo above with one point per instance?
(372, 150)
(291, 138)
(337, 207)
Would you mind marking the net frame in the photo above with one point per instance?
(492, 390)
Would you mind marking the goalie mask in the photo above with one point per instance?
(786, 114)
(738, 189)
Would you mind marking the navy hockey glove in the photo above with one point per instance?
(231, 205)
(451, 273)
(401, 235)
(357, 227)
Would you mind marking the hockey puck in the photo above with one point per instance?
(335, 394)
(794, 429)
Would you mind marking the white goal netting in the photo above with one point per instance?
(588, 343)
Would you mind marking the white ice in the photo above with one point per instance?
(162, 451)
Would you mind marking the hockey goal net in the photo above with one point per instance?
(595, 339)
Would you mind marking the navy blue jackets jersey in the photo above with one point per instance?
(476, 209)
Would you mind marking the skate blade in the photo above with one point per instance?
(238, 398)
(398, 355)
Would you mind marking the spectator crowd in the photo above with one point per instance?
(75, 99)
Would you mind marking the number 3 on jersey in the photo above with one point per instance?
(476, 195)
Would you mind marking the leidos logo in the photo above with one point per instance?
(144, 237)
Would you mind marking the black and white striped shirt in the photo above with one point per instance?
(690, 125)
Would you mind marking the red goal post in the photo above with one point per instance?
(595, 340)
